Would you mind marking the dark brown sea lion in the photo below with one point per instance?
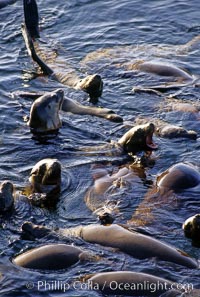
(91, 84)
(191, 229)
(139, 137)
(133, 243)
(6, 196)
(45, 179)
(49, 257)
(129, 283)
(175, 179)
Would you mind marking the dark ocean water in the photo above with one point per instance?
(143, 30)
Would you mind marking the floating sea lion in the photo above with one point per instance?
(191, 229)
(133, 243)
(91, 84)
(166, 130)
(138, 138)
(148, 59)
(173, 104)
(175, 179)
(44, 113)
(49, 257)
(6, 196)
(101, 197)
(129, 283)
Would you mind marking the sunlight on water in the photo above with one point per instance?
(104, 37)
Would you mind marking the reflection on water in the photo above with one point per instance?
(75, 29)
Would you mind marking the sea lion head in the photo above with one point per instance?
(44, 113)
(45, 179)
(93, 85)
(46, 172)
(139, 138)
(6, 196)
(191, 228)
(31, 231)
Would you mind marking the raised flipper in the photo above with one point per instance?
(31, 50)
(31, 18)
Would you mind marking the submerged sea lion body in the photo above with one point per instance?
(108, 190)
(175, 179)
(129, 283)
(166, 130)
(148, 59)
(49, 257)
(179, 177)
(135, 244)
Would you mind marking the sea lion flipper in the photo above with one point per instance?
(31, 51)
(31, 18)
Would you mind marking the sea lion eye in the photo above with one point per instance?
(49, 106)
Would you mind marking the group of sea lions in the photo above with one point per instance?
(45, 178)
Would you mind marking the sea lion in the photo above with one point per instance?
(44, 113)
(133, 243)
(191, 229)
(6, 196)
(139, 137)
(148, 59)
(129, 283)
(179, 177)
(166, 130)
(49, 257)
(45, 179)
(101, 198)
(69, 105)
(92, 84)
(175, 179)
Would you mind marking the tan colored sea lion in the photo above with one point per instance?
(166, 130)
(49, 257)
(101, 197)
(133, 243)
(148, 58)
(129, 283)
(91, 84)
(175, 179)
